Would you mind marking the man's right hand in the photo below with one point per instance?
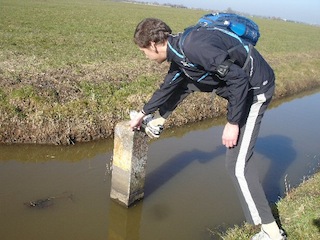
(135, 122)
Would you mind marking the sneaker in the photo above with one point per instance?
(262, 235)
(153, 131)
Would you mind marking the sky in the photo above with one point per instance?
(306, 11)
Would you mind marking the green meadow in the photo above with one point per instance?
(69, 70)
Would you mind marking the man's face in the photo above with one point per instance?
(154, 54)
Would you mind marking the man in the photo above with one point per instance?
(247, 84)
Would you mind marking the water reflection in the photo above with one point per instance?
(125, 223)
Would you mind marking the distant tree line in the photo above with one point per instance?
(228, 10)
(156, 3)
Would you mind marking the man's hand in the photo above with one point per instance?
(230, 135)
(135, 123)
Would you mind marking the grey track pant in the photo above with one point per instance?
(240, 166)
(239, 159)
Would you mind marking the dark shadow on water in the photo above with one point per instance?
(279, 150)
(170, 168)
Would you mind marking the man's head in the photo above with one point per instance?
(151, 36)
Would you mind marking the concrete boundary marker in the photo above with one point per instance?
(129, 164)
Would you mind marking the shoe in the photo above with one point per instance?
(262, 235)
(153, 131)
(152, 125)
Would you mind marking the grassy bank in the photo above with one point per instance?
(299, 214)
(69, 70)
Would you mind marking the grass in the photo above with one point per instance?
(69, 70)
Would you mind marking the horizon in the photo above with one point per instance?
(289, 10)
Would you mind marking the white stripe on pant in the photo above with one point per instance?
(241, 169)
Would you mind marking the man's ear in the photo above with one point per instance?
(153, 46)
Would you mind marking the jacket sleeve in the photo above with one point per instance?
(237, 84)
(171, 82)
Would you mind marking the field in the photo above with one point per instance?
(69, 70)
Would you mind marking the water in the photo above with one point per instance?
(187, 192)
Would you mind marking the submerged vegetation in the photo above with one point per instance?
(69, 70)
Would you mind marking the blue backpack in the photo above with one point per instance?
(243, 29)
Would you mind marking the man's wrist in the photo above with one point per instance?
(141, 115)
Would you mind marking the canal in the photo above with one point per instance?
(188, 191)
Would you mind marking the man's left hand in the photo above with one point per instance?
(230, 135)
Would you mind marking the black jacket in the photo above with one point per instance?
(208, 49)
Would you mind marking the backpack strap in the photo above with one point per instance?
(248, 57)
(224, 67)
(186, 32)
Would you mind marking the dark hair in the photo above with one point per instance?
(151, 30)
